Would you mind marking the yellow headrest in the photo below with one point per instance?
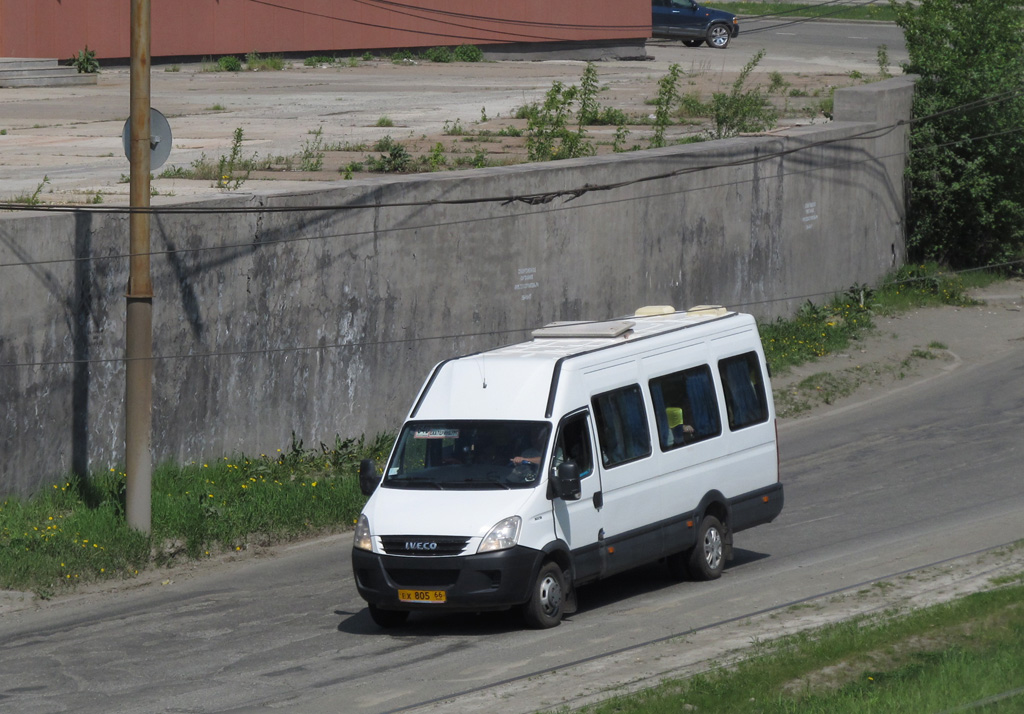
(675, 417)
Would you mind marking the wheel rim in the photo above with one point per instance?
(713, 548)
(719, 36)
(550, 595)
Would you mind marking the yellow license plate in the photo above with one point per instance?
(422, 596)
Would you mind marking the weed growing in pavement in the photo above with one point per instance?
(85, 61)
(394, 158)
(75, 530)
(549, 135)
(453, 128)
(668, 97)
(742, 110)
(883, 62)
(436, 159)
(258, 63)
(311, 157)
(228, 63)
(31, 199)
(230, 172)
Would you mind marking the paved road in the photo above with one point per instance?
(926, 474)
(853, 44)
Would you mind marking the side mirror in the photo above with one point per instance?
(368, 477)
(566, 481)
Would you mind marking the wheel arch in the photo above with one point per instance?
(557, 551)
(716, 504)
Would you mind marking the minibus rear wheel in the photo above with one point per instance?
(707, 559)
(547, 598)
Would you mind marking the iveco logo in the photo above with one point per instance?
(420, 545)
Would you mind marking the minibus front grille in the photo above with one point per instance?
(411, 578)
(424, 545)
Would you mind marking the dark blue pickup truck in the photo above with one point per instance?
(692, 23)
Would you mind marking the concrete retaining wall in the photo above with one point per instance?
(326, 321)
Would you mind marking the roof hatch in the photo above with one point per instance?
(611, 328)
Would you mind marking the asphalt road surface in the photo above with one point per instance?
(926, 476)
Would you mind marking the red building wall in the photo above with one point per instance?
(60, 28)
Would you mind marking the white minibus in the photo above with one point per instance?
(526, 471)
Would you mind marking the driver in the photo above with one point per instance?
(532, 454)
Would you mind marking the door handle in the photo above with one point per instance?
(598, 500)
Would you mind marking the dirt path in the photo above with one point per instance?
(902, 350)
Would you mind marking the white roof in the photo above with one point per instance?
(514, 382)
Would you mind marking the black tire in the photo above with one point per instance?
(693, 43)
(707, 559)
(388, 618)
(719, 36)
(547, 598)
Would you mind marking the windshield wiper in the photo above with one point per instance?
(481, 482)
(406, 482)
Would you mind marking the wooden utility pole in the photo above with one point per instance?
(139, 317)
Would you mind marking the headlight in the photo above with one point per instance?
(504, 535)
(362, 540)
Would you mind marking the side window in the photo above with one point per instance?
(744, 390)
(573, 444)
(685, 407)
(622, 425)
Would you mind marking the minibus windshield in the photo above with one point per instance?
(469, 455)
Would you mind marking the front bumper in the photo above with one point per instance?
(484, 581)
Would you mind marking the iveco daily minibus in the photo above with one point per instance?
(528, 470)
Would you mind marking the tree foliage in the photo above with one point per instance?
(966, 168)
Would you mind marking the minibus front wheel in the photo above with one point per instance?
(546, 605)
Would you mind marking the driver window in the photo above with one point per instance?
(573, 444)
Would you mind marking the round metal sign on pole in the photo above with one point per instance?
(159, 139)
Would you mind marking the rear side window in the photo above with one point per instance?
(744, 390)
(685, 407)
(622, 425)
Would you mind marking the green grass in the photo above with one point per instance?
(880, 11)
(818, 330)
(75, 531)
(264, 63)
(967, 652)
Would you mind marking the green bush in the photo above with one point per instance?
(85, 61)
(468, 53)
(966, 173)
(439, 54)
(742, 110)
(229, 63)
